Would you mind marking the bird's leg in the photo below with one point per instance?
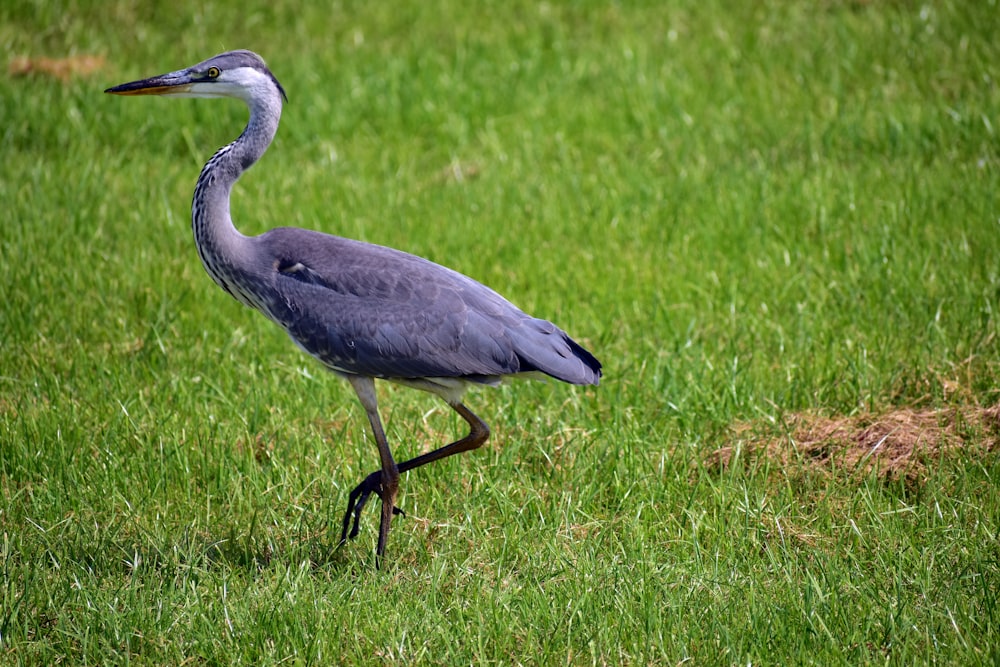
(385, 482)
(478, 434)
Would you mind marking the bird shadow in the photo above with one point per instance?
(176, 554)
(322, 553)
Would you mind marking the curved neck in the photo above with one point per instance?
(223, 250)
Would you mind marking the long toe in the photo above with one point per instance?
(356, 502)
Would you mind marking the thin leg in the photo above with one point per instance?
(388, 476)
(478, 434)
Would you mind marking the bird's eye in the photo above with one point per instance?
(213, 73)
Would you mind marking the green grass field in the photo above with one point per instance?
(762, 217)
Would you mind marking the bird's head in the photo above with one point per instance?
(239, 74)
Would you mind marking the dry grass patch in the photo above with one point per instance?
(896, 445)
(63, 69)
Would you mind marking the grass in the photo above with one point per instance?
(751, 212)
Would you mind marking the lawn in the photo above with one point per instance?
(776, 223)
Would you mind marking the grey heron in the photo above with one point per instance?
(364, 311)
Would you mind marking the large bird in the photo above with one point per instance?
(364, 311)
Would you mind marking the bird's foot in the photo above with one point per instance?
(357, 501)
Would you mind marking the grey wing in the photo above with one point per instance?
(371, 310)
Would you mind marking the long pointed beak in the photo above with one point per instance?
(172, 83)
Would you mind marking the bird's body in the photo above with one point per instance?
(365, 311)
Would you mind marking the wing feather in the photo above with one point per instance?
(372, 310)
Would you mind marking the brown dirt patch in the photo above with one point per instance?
(896, 445)
(60, 68)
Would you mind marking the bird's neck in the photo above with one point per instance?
(226, 253)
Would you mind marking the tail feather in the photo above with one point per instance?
(548, 349)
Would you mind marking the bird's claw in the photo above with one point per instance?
(357, 501)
